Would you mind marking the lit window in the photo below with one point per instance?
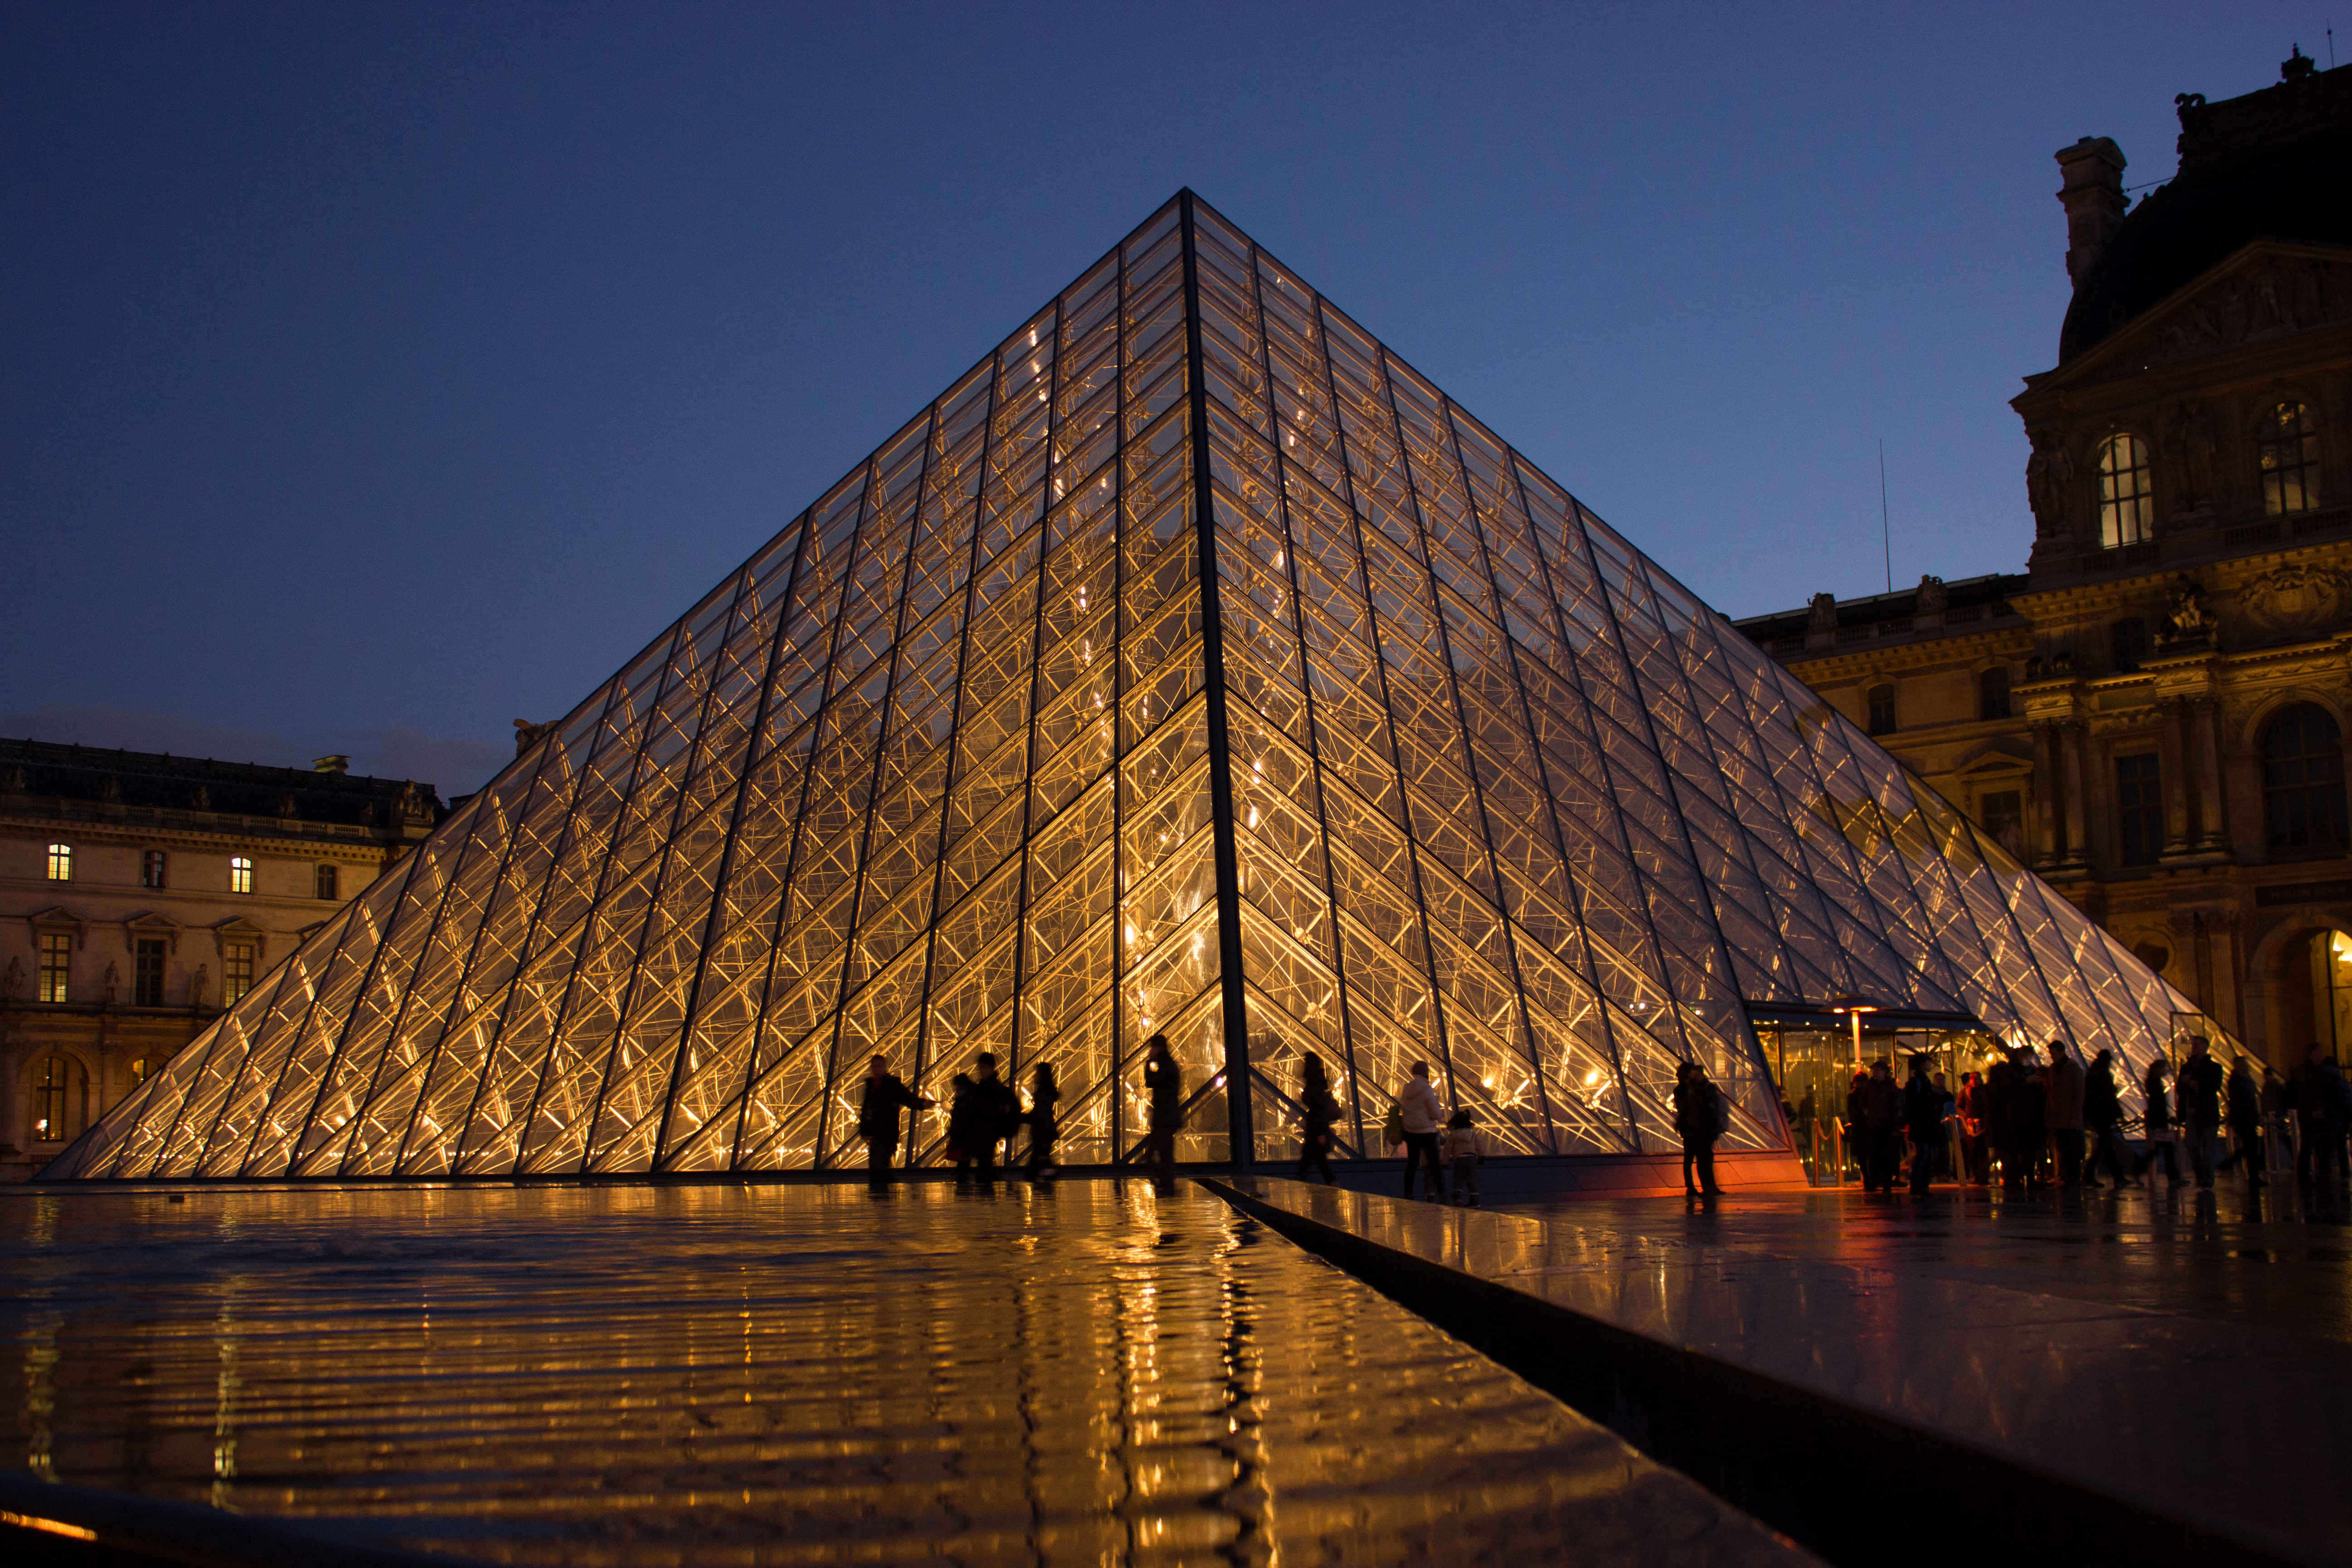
(56, 965)
(1881, 710)
(240, 874)
(2303, 782)
(2126, 645)
(2139, 809)
(2289, 447)
(237, 971)
(147, 974)
(150, 869)
(327, 880)
(60, 862)
(138, 1070)
(1992, 693)
(58, 1109)
(2126, 492)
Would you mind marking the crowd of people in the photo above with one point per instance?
(2030, 1119)
(2026, 1120)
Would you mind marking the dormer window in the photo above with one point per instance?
(2289, 451)
(2126, 492)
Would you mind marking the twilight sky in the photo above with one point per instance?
(374, 375)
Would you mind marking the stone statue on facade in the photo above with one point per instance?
(109, 983)
(527, 734)
(1822, 613)
(1933, 595)
(12, 984)
(412, 806)
(2187, 621)
(196, 983)
(2049, 480)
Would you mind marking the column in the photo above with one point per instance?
(2205, 732)
(2045, 798)
(2078, 832)
(2173, 751)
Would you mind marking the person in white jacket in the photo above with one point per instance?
(1418, 1108)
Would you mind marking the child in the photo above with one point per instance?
(1463, 1150)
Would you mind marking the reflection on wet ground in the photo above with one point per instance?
(2155, 1349)
(793, 1374)
(2259, 1258)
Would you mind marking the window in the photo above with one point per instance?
(1881, 710)
(1992, 693)
(60, 862)
(2303, 782)
(150, 869)
(2126, 645)
(2154, 954)
(147, 972)
(240, 874)
(2126, 492)
(2139, 809)
(326, 881)
(56, 965)
(60, 1099)
(2289, 448)
(138, 1070)
(2003, 816)
(237, 971)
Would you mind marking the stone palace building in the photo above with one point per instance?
(2153, 713)
(140, 894)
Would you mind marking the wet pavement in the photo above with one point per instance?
(793, 1374)
(2192, 1356)
(2270, 1259)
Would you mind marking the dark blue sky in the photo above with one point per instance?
(376, 375)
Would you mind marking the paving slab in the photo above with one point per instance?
(781, 1375)
(2188, 1424)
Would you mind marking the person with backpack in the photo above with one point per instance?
(1320, 1113)
(1462, 1151)
(1698, 1121)
(1418, 1113)
(880, 1098)
(991, 1114)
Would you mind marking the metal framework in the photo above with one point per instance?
(1190, 667)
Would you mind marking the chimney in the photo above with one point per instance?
(2093, 196)
(337, 764)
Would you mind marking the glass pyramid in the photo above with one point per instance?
(1191, 665)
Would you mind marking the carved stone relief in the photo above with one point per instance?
(2281, 295)
(2296, 600)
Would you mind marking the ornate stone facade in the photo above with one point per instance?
(138, 893)
(2134, 714)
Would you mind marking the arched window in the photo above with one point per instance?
(1881, 700)
(60, 1096)
(138, 1070)
(2303, 782)
(2289, 447)
(240, 874)
(1992, 693)
(326, 881)
(2126, 492)
(60, 862)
